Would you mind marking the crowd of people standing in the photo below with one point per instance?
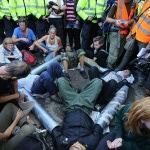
(44, 25)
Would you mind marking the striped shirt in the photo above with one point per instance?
(70, 12)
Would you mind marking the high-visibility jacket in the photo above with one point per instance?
(19, 8)
(122, 14)
(39, 8)
(100, 8)
(1, 13)
(87, 8)
(142, 27)
(4, 5)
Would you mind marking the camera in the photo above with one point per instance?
(141, 64)
(51, 4)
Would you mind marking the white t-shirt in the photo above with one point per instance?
(27, 82)
(51, 14)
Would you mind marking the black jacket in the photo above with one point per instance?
(77, 126)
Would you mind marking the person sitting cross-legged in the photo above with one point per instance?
(98, 53)
(24, 37)
(43, 83)
(70, 60)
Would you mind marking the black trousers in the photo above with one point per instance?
(10, 25)
(108, 88)
(74, 37)
(2, 35)
(42, 27)
(88, 32)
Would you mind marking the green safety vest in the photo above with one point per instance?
(91, 8)
(1, 14)
(4, 5)
(100, 8)
(39, 8)
(86, 8)
(19, 8)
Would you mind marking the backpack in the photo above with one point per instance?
(34, 141)
(29, 58)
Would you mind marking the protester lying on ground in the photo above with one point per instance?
(112, 81)
(9, 52)
(71, 59)
(52, 44)
(10, 117)
(24, 37)
(43, 83)
(9, 73)
(98, 54)
(132, 128)
(78, 131)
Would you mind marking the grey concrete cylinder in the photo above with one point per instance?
(44, 66)
(110, 109)
(46, 119)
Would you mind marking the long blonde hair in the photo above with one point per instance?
(140, 110)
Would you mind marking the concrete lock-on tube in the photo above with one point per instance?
(44, 66)
(110, 109)
(46, 119)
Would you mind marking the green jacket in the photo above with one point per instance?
(19, 8)
(39, 8)
(4, 5)
(1, 13)
(131, 141)
(100, 8)
(91, 8)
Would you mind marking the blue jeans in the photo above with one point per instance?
(49, 55)
(72, 24)
(45, 83)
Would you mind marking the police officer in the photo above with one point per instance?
(90, 15)
(39, 10)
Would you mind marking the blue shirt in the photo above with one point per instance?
(30, 35)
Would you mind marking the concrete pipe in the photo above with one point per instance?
(48, 122)
(44, 66)
(110, 109)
